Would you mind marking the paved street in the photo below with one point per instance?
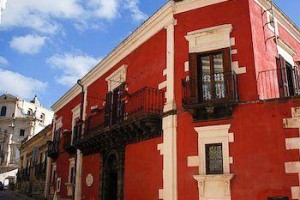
(7, 195)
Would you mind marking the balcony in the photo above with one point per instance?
(139, 119)
(53, 149)
(213, 97)
(279, 83)
(68, 143)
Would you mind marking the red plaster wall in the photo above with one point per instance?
(265, 49)
(143, 170)
(259, 152)
(91, 165)
(235, 12)
(145, 68)
(62, 162)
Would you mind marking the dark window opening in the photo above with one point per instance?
(72, 175)
(3, 111)
(214, 158)
(22, 132)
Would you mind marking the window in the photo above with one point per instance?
(72, 175)
(114, 107)
(53, 175)
(214, 158)
(58, 183)
(22, 133)
(288, 78)
(29, 112)
(210, 70)
(42, 117)
(3, 111)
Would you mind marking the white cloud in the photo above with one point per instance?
(29, 44)
(3, 61)
(72, 67)
(44, 15)
(107, 9)
(136, 13)
(17, 84)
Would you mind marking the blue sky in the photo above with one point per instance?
(45, 46)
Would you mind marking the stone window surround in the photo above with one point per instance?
(213, 135)
(116, 78)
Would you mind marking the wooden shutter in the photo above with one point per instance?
(226, 60)
(121, 104)
(107, 113)
(228, 75)
(194, 89)
(282, 77)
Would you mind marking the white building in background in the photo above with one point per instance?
(2, 7)
(19, 119)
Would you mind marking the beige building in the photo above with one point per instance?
(33, 164)
(19, 119)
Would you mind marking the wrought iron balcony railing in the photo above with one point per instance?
(278, 83)
(144, 101)
(68, 141)
(138, 116)
(53, 149)
(210, 90)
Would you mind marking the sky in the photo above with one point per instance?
(46, 45)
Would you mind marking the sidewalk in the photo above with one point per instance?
(19, 195)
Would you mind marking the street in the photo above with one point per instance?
(7, 195)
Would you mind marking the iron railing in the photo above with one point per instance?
(210, 90)
(144, 101)
(278, 83)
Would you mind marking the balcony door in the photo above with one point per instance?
(114, 108)
(213, 72)
(287, 78)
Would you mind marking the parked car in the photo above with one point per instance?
(1, 186)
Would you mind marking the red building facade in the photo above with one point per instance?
(200, 102)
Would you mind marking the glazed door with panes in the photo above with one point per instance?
(213, 72)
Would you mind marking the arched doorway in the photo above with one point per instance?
(110, 189)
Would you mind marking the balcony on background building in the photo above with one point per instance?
(213, 97)
(68, 143)
(53, 149)
(279, 83)
(137, 116)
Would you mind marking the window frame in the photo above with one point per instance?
(3, 111)
(207, 161)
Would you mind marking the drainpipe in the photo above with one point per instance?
(78, 153)
(82, 98)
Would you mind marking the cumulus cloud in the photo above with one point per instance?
(136, 13)
(29, 44)
(26, 87)
(45, 15)
(3, 61)
(72, 67)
